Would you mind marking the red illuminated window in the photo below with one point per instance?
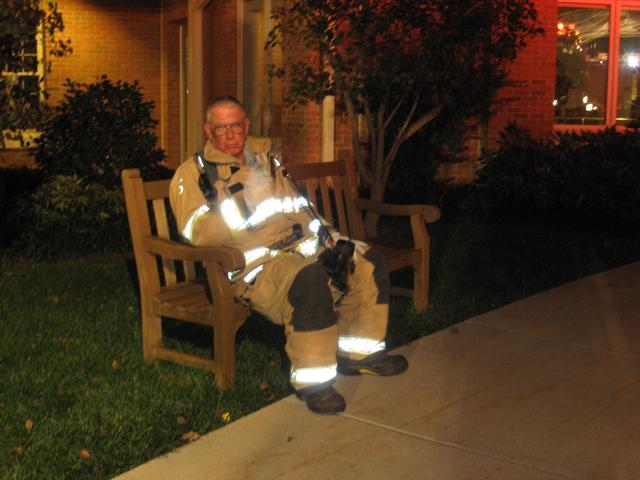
(598, 62)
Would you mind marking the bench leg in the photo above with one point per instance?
(224, 351)
(151, 334)
(421, 272)
(421, 288)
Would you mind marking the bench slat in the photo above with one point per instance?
(160, 212)
(337, 194)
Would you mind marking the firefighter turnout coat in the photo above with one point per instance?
(254, 207)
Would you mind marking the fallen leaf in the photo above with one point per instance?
(38, 402)
(114, 365)
(28, 425)
(190, 436)
(53, 298)
(66, 295)
(289, 439)
(7, 274)
(263, 386)
(226, 417)
(181, 420)
(84, 453)
(130, 308)
(17, 451)
(270, 397)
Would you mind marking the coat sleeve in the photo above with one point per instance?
(197, 223)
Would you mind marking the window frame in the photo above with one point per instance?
(30, 134)
(615, 12)
(266, 117)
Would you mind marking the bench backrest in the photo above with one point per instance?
(327, 185)
(149, 213)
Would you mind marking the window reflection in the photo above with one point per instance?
(628, 64)
(261, 94)
(582, 58)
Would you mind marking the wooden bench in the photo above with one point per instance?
(329, 185)
(167, 269)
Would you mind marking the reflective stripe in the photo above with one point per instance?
(314, 374)
(315, 225)
(231, 214)
(248, 278)
(266, 209)
(271, 206)
(188, 228)
(263, 211)
(309, 247)
(361, 345)
(251, 256)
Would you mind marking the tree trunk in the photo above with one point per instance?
(371, 219)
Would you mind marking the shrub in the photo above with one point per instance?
(68, 214)
(591, 177)
(97, 130)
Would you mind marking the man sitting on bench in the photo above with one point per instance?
(330, 293)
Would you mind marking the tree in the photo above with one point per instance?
(23, 24)
(399, 63)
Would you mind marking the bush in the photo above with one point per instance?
(97, 130)
(68, 214)
(587, 178)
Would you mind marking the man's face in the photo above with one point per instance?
(227, 129)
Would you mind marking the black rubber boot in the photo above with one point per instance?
(323, 400)
(379, 363)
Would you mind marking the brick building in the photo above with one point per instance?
(185, 52)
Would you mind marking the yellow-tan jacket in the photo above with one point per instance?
(258, 219)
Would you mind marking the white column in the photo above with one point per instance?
(195, 107)
(328, 128)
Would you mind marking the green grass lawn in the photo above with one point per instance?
(76, 400)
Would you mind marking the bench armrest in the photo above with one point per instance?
(430, 213)
(228, 257)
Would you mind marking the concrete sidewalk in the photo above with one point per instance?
(545, 388)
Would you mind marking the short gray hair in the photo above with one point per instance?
(223, 101)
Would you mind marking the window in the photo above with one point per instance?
(598, 59)
(24, 71)
(261, 94)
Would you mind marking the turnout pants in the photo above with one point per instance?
(296, 292)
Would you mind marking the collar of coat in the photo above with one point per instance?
(252, 147)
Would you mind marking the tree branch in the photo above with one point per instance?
(399, 138)
(421, 122)
(355, 137)
(372, 132)
(395, 109)
(380, 128)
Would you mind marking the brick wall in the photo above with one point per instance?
(220, 49)
(114, 37)
(535, 68)
(15, 158)
(530, 101)
(302, 134)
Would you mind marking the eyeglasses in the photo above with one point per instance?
(220, 130)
